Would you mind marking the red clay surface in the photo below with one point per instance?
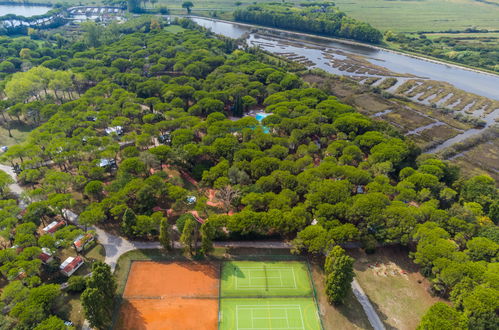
(176, 295)
(176, 279)
(181, 314)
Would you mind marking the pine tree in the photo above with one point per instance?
(164, 234)
(98, 297)
(339, 275)
(129, 220)
(188, 235)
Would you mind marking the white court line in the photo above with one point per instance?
(275, 307)
(294, 278)
(301, 319)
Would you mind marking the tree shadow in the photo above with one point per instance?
(129, 317)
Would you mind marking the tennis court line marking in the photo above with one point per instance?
(269, 308)
(250, 278)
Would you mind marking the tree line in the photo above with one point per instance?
(324, 20)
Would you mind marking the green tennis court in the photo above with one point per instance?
(257, 279)
(269, 314)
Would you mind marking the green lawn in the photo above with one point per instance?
(254, 278)
(269, 313)
(19, 134)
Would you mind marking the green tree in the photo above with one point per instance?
(5, 181)
(128, 221)
(188, 5)
(441, 316)
(98, 297)
(188, 237)
(339, 275)
(165, 234)
(52, 323)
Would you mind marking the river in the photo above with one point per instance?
(479, 83)
(23, 10)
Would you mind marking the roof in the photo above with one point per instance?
(78, 242)
(70, 263)
(104, 162)
(44, 257)
(54, 226)
(115, 129)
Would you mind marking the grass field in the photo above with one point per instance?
(428, 15)
(394, 286)
(269, 313)
(252, 278)
(397, 15)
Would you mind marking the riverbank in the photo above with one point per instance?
(355, 43)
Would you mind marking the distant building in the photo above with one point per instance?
(165, 138)
(53, 227)
(107, 163)
(71, 265)
(83, 241)
(114, 129)
(46, 256)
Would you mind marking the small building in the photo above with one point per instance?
(53, 227)
(191, 200)
(83, 241)
(46, 256)
(165, 138)
(114, 129)
(71, 265)
(107, 163)
(358, 189)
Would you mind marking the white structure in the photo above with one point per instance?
(71, 265)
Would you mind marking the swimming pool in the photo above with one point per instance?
(259, 116)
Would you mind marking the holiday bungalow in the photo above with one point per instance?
(71, 265)
(83, 241)
(46, 256)
(53, 227)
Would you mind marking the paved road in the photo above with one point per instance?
(15, 188)
(371, 313)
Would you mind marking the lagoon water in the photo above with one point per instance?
(479, 83)
(23, 10)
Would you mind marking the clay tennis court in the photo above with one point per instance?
(170, 295)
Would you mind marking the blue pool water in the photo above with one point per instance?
(259, 116)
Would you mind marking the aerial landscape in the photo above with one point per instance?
(233, 165)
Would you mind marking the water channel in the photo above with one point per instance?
(479, 83)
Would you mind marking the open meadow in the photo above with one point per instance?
(394, 286)
(429, 15)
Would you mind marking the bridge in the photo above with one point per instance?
(95, 10)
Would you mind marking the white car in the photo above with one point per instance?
(4, 148)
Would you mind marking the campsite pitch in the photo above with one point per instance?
(259, 279)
